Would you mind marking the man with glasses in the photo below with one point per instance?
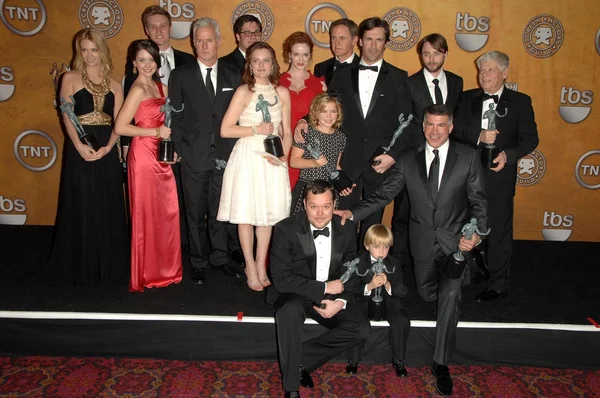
(247, 30)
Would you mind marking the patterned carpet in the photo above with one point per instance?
(97, 377)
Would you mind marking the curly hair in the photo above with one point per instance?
(291, 40)
(317, 106)
(248, 77)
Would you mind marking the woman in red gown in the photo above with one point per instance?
(155, 239)
(303, 85)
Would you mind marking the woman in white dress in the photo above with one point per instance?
(256, 189)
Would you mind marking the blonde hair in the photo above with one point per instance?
(98, 39)
(379, 234)
(317, 106)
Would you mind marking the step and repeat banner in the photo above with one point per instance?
(554, 46)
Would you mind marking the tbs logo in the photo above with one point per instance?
(557, 227)
(477, 28)
(572, 96)
(7, 89)
(179, 29)
(14, 208)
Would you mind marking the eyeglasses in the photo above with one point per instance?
(249, 33)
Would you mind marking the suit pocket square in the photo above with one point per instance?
(382, 95)
(227, 89)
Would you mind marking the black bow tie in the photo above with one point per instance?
(487, 97)
(374, 68)
(324, 232)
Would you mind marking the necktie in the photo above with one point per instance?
(439, 99)
(374, 68)
(486, 96)
(434, 172)
(209, 86)
(318, 232)
(166, 68)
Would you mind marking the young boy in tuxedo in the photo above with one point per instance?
(377, 242)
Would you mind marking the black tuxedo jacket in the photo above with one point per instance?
(235, 59)
(460, 197)
(391, 96)
(325, 68)
(293, 263)
(421, 99)
(517, 136)
(395, 280)
(196, 130)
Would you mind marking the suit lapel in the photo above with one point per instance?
(451, 159)
(421, 162)
(379, 85)
(201, 91)
(502, 107)
(177, 58)
(308, 244)
(337, 247)
(354, 76)
(423, 89)
(477, 107)
(220, 78)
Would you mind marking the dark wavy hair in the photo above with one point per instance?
(151, 47)
(247, 77)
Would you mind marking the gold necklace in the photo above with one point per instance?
(96, 89)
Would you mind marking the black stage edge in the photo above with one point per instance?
(551, 283)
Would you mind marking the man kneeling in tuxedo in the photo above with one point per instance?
(307, 256)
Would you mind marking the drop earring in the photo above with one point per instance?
(134, 70)
(251, 73)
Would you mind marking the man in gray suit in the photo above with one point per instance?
(444, 182)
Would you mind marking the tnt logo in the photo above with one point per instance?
(35, 150)
(319, 19)
(105, 16)
(7, 89)
(405, 27)
(557, 227)
(572, 96)
(179, 29)
(531, 169)
(260, 11)
(543, 35)
(587, 170)
(24, 17)
(12, 211)
(477, 28)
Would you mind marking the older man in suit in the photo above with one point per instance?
(343, 36)
(444, 182)
(247, 30)
(204, 90)
(307, 254)
(515, 134)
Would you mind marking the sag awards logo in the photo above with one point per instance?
(579, 104)
(587, 170)
(25, 18)
(13, 211)
(319, 19)
(543, 36)
(7, 88)
(477, 29)
(179, 29)
(557, 227)
(405, 28)
(260, 11)
(35, 150)
(105, 16)
(531, 168)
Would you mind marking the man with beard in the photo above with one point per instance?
(343, 36)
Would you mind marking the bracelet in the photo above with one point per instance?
(157, 132)
(255, 130)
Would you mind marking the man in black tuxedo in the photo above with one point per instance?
(516, 136)
(157, 26)
(247, 30)
(431, 85)
(343, 36)
(444, 182)
(307, 253)
(204, 90)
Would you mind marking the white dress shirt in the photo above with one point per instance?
(443, 155)
(323, 253)
(366, 84)
(348, 60)
(170, 55)
(486, 107)
(442, 82)
(213, 73)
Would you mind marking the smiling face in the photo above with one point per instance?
(328, 117)
(437, 129)
(207, 45)
(158, 29)
(319, 208)
(300, 56)
(90, 53)
(490, 77)
(373, 45)
(145, 64)
(433, 60)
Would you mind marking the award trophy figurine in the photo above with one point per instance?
(351, 269)
(273, 143)
(68, 108)
(376, 304)
(338, 178)
(489, 152)
(456, 263)
(220, 164)
(381, 150)
(166, 148)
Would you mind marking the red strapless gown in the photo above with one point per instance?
(155, 240)
(301, 106)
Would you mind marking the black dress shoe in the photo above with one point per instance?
(292, 394)
(352, 368)
(305, 379)
(400, 369)
(443, 381)
(199, 276)
(227, 270)
(490, 295)
(238, 257)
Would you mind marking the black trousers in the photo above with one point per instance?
(400, 217)
(182, 218)
(223, 236)
(346, 329)
(500, 241)
(433, 285)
